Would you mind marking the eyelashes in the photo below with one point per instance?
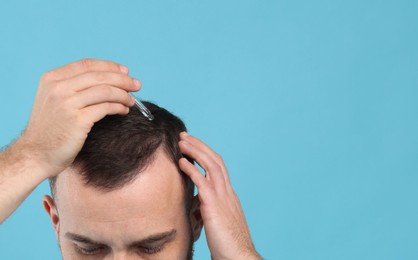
(151, 250)
(103, 250)
(90, 250)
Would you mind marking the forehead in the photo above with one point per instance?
(151, 202)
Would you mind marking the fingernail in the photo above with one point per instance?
(137, 83)
(124, 69)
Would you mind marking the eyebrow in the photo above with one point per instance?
(159, 237)
(156, 238)
(81, 239)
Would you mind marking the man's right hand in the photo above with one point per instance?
(70, 99)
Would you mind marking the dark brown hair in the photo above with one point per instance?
(119, 147)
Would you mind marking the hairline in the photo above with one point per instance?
(139, 171)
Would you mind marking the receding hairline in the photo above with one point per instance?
(152, 158)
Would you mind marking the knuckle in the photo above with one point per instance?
(214, 167)
(106, 91)
(119, 108)
(209, 186)
(108, 106)
(58, 86)
(47, 76)
(55, 93)
(219, 158)
(114, 107)
(217, 168)
(128, 99)
(86, 63)
(100, 76)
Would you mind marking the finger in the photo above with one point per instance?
(102, 94)
(205, 149)
(86, 80)
(212, 168)
(94, 113)
(83, 66)
(190, 170)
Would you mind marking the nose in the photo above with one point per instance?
(125, 256)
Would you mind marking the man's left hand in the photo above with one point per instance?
(227, 232)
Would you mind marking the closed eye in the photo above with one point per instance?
(156, 243)
(150, 249)
(90, 250)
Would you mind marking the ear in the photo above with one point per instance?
(51, 210)
(196, 218)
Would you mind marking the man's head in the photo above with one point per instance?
(124, 195)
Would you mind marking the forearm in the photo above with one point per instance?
(242, 254)
(20, 174)
(70, 99)
(226, 228)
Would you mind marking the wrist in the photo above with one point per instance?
(24, 158)
(19, 176)
(250, 255)
(253, 255)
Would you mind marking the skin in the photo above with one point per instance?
(118, 222)
(70, 99)
(226, 229)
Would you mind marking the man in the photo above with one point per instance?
(120, 184)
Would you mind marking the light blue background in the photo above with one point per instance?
(313, 105)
